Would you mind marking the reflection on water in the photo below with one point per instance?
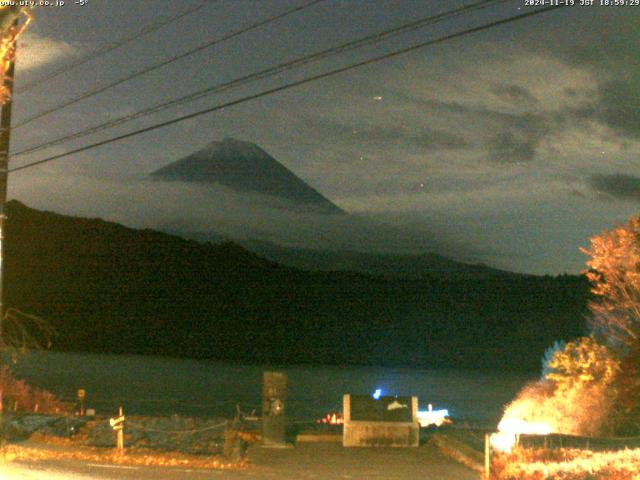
(163, 386)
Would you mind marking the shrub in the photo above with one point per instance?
(566, 464)
(17, 394)
(582, 362)
(576, 396)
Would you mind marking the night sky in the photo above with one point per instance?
(510, 147)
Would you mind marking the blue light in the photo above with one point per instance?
(377, 393)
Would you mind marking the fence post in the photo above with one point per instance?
(121, 430)
(487, 455)
(118, 425)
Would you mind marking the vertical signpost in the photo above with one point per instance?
(274, 396)
(81, 396)
(117, 424)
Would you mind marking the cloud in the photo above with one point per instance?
(215, 212)
(619, 106)
(36, 51)
(519, 137)
(624, 187)
(505, 137)
(412, 138)
(604, 40)
(603, 44)
(509, 146)
(515, 93)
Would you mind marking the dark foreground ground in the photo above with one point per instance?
(305, 461)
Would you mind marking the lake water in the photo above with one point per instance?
(164, 386)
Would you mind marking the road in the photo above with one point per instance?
(321, 461)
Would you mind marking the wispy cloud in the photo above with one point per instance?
(619, 106)
(36, 51)
(625, 187)
(215, 212)
(515, 93)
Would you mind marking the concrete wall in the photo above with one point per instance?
(380, 434)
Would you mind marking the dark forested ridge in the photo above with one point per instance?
(108, 288)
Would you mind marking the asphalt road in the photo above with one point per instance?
(319, 461)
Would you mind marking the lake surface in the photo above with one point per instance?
(164, 386)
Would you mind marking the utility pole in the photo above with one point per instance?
(9, 20)
(8, 16)
(5, 137)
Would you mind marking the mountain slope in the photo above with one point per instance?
(245, 167)
(412, 266)
(108, 288)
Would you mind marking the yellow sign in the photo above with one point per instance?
(81, 393)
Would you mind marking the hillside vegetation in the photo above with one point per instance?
(108, 288)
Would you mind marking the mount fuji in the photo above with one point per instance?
(246, 168)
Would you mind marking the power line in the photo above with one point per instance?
(109, 48)
(292, 84)
(164, 63)
(271, 71)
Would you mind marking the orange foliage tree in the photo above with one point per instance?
(615, 281)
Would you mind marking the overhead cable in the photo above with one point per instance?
(266, 73)
(111, 47)
(164, 63)
(297, 83)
